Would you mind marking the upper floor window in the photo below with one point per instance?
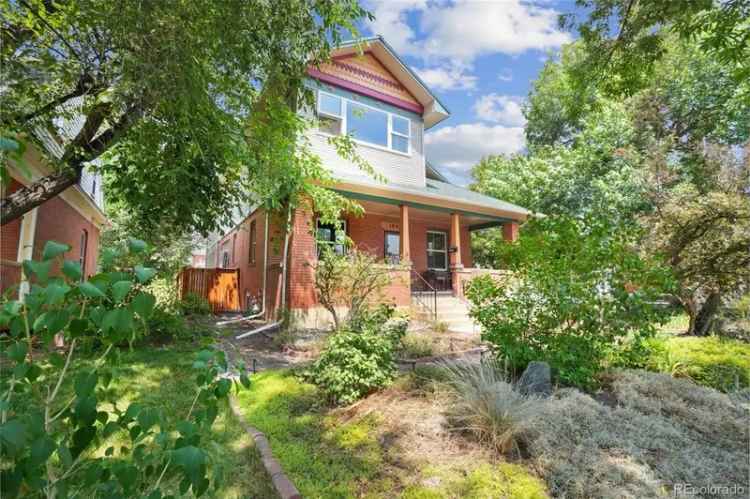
(366, 124)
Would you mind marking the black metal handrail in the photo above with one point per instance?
(429, 289)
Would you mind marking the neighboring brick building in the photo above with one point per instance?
(75, 217)
(417, 223)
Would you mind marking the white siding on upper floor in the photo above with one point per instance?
(395, 167)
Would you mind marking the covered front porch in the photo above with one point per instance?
(431, 243)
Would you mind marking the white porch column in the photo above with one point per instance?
(26, 247)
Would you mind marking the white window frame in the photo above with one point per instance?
(444, 251)
(344, 125)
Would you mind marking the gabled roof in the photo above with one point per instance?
(434, 110)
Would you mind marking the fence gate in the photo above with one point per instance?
(221, 287)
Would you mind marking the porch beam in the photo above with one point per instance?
(456, 241)
(404, 246)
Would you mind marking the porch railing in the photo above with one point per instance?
(424, 293)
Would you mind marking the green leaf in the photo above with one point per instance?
(85, 382)
(245, 380)
(56, 293)
(136, 245)
(192, 460)
(53, 249)
(72, 270)
(17, 351)
(148, 417)
(78, 327)
(13, 436)
(90, 291)
(143, 304)
(119, 320)
(56, 320)
(65, 457)
(41, 449)
(120, 290)
(222, 388)
(144, 274)
(40, 270)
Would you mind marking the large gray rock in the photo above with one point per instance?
(536, 380)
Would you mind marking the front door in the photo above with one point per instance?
(437, 260)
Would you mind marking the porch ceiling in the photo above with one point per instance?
(426, 215)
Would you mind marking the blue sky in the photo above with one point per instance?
(480, 58)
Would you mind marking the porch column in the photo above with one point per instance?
(26, 241)
(455, 242)
(510, 231)
(404, 251)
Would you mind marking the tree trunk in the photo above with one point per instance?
(29, 197)
(702, 322)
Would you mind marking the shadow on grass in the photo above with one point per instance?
(163, 378)
(322, 458)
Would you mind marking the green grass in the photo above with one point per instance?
(163, 378)
(504, 480)
(321, 459)
(723, 364)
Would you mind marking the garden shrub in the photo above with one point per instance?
(483, 404)
(580, 299)
(720, 363)
(194, 304)
(416, 345)
(360, 357)
(54, 417)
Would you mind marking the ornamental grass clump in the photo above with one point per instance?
(482, 403)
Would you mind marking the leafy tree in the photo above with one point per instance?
(56, 412)
(163, 92)
(633, 157)
(581, 298)
(626, 38)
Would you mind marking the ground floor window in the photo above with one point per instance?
(334, 237)
(392, 247)
(437, 250)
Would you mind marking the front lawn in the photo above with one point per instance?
(392, 444)
(161, 378)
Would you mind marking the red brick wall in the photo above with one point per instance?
(10, 233)
(58, 221)
(303, 253)
(368, 233)
(251, 274)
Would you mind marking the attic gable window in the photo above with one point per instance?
(366, 124)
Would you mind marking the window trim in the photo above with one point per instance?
(83, 252)
(330, 243)
(443, 251)
(344, 125)
(252, 243)
(386, 233)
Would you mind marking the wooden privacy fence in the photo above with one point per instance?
(221, 287)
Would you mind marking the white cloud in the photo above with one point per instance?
(502, 109)
(465, 29)
(505, 75)
(448, 77)
(460, 147)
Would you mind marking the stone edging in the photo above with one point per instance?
(284, 487)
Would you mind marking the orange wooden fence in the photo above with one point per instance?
(219, 286)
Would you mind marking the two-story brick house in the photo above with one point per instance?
(417, 223)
